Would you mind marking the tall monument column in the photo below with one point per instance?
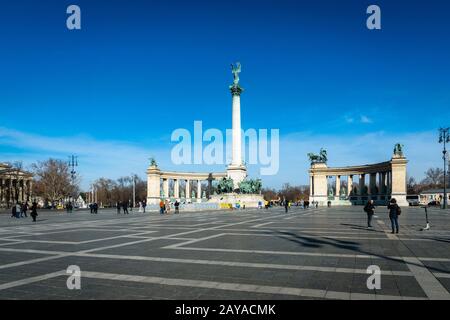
(236, 170)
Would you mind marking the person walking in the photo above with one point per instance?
(95, 207)
(91, 206)
(177, 207)
(13, 212)
(34, 213)
(144, 205)
(369, 208)
(394, 212)
(286, 206)
(125, 207)
(25, 209)
(118, 207)
(161, 207)
(18, 210)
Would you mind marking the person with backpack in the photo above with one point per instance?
(369, 208)
(25, 209)
(125, 207)
(177, 207)
(394, 212)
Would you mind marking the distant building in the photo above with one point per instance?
(15, 185)
(433, 195)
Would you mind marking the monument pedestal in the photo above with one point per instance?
(237, 173)
(247, 200)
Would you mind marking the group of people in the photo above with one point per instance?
(164, 206)
(93, 207)
(394, 212)
(19, 210)
(124, 205)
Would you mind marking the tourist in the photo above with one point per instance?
(394, 212)
(95, 207)
(130, 205)
(25, 209)
(125, 207)
(161, 207)
(144, 204)
(34, 213)
(177, 207)
(369, 208)
(141, 208)
(167, 206)
(18, 210)
(118, 207)
(286, 206)
(91, 206)
(13, 212)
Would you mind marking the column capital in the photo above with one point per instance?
(236, 89)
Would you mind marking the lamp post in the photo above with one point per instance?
(444, 137)
(133, 177)
(72, 163)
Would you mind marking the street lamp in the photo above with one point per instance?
(133, 177)
(72, 163)
(444, 137)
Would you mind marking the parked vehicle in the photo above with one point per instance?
(413, 200)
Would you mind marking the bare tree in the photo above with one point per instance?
(53, 180)
(434, 177)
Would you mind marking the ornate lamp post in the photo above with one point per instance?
(72, 163)
(444, 137)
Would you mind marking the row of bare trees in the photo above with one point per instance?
(288, 192)
(109, 192)
(434, 179)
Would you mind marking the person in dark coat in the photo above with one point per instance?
(394, 212)
(13, 211)
(125, 207)
(144, 204)
(286, 206)
(369, 208)
(34, 213)
(118, 204)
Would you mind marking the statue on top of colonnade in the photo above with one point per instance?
(398, 150)
(318, 158)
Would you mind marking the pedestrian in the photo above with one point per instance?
(130, 205)
(13, 212)
(125, 207)
(18, 210)
(91, 206)
(369, 208)
(25, 209)
(144, 204)
(177, 207)
(34, 213)
(118, 207)
(167, 206)
(95, 207)
(161, 207)
(394, 212)
(286, 206)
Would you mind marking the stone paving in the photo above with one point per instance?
(248, 254)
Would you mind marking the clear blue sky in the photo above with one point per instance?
(114, 91)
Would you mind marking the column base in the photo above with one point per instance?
(237, 173)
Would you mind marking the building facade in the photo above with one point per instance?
(15, 185)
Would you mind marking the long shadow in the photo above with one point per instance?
(353, 246)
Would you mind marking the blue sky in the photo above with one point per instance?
(114, 91)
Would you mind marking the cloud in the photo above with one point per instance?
(365, 119)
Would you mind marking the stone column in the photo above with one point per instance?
(362, 183)
(372, 183)
(11, 192)
(176, 188)
(236, 170)
(153, 185)
(338, 186)
(398, 180)
(349, 184)
(166, 188)
(199, 191)
(188, 190)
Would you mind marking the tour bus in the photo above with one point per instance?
(413, 200)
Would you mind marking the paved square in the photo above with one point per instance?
(249, 254)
